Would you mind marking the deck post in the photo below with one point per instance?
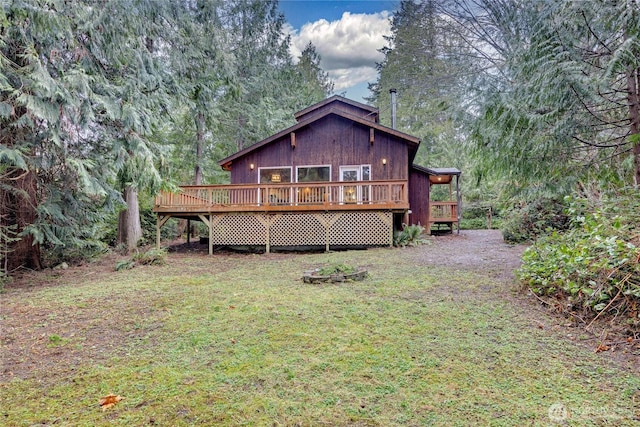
(210, 233)
(391, 234)
(328, 236)
(158, 231)
(188, 231)
(458, 203)
(268, 234)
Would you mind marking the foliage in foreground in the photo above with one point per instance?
(337, 268)
(409, 236)
(596, 263)
(531, 220)
(151, 257)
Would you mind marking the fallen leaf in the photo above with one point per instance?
(233, 341)
(602, 347)
(109, 400)
(630, 340)
(232, 307)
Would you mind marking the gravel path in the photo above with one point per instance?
(475, 250)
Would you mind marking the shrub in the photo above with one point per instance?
(151, 257)
(526, 223)
(596, 263)
(409, 236)
(336, 268)
(476, 217)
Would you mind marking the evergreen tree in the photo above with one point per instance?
(79, 91)
(316, 82)
(268, 85)
(204, 71)
(559, 103)
(427, 64)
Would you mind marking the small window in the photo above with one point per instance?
(366, 172)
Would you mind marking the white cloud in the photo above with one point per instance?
(348, 47)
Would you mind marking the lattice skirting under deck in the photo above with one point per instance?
(331, 229)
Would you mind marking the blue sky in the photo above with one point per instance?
(347, 35)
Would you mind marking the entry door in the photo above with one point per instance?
(350, 193)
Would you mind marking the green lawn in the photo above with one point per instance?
(240, 340)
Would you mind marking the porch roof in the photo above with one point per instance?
(437, 171)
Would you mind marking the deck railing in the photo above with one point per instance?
(443, 212)
(282, 197)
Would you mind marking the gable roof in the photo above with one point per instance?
(412, 141)
(367, 110)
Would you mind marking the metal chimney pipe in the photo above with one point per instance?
(393, 108)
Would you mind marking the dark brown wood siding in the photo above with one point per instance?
(332, 140)
(419, 197)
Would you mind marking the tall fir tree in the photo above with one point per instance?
(79, 92)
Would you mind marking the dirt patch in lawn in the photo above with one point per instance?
(35, 337)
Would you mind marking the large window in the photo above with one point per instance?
(275, 175)
(275, 195)
(314, 173)
(313, 194)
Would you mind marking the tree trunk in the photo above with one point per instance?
(633, 96)
(199, 146)
(242, 122)
(19, 208)
(129, 228)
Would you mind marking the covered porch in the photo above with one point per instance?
(445, 212)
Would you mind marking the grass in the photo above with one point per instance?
(240, 340)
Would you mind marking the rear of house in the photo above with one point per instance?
(337, 178)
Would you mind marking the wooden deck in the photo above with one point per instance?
(329, 215)
(291, 197)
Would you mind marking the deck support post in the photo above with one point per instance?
(188, 231)
(208, 221)
(391, 233)
(210, 233)
(158, 232)
(160, 221)
(459, 204)
(328, 238)
(267, 247)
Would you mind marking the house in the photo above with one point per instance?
(335, 179)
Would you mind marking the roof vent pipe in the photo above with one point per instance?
(393, 108)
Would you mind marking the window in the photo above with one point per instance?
(275, 195)
(275, 175)
(355, 193)
(314, 173)
(313, 194)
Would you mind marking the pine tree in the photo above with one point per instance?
(423, 63)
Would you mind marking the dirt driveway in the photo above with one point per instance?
(476, 250)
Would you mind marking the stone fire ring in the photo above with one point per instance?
(312, 276)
